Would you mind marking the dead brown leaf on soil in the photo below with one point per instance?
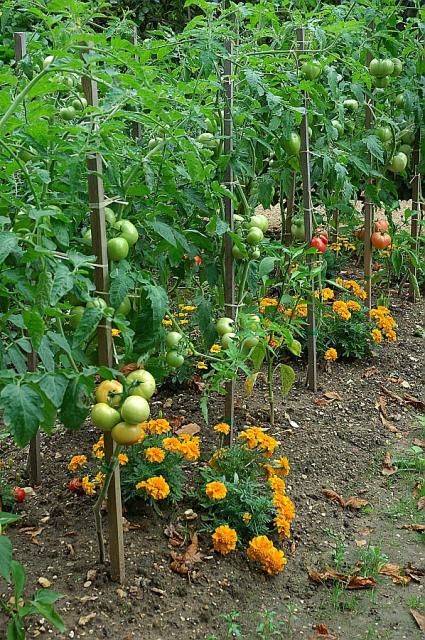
(350, 582)
(381, 405)
(197, 383)
(406, 399)
(184, 563)
(414, 572)
(321, 631)
(174, 536)
(176, 422)
(191, 429)
(387, 465)
(365, 531)
(370, 372)
(34, 532)
(419, 619)
(416, 489)
(353, 502)
(412, 527)
(394, 572)
(130, 526)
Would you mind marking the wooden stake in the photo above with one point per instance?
(308, 224)
(368, 206)
(286, 235)
(34, 459)
(104, 335)
(229, 267)
(416, 207)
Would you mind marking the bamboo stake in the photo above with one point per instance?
(416, 209)
(229, 267)
(308, 224)
(101, 278)
(368, 206)
(286, 235)
(34, 458)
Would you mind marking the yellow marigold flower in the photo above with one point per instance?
(100, 454)
(99, 478)
(284, 506)
(156, 487)
(301, 310)
(190, 449)
(201, 365)
(274, 562)
(391, 335)
(224, 539)
(172, 444)
(154, 454)
(268, 302)
(222, 427)
(215, 348)
(340, 308)
(353, 305)
(99, 444)
(288, 312)
(277, 484)
(122, 458)
(383, 310)
(184, 321)
(270, 470)
(76, 462)
(386, 323)
(339, 281)
(158, 426)
(216, 490)
(115, 333)
(331, 354)
(167, 323)
(216, 456)
(89, 488)
(376, 336)
(258, 548)
(327, 294)
(182, 314)
(188, 307)
(283, 464)
(283, 526)
(246, 517)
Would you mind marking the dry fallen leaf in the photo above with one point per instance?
(421, 503)
(333, 496)
(191, 429)
(129, 368)
(387, 424)
(350, 582)
(85, 619)
(365, 531)
(412, 527)
(34, 532)
(168, 403)
(174, 536)
(352, 503)
(388, 469)
(419, 619)
(413, 572)
(321, 631)
(130, 526)
(360, 543)
(370, 372)
(415, 402)
(393, 571)
(332, 395)
(175, 422)
(355, 503)
(183, 563)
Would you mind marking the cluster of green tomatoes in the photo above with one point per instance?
(251, 234)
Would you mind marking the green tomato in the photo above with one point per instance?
(87, 236)
(351, 105)
(127, 231)
(124, 308)
(406, 149)
(227, 339)
(104, 417)
(385, 134)
(251, 322)
(110, 216)
(96, 303)
(210, 125)
(237, 253)
(381, 83)
(399, 100)
(398, 163)
(26, 154)
(224, 325)
(75, 316)
(398, 67)
(135, 409)
(126, 434)
(118, 249)
(207, 140)
(376, 68)
(388, 67)
(338, 126)
(254, 236)
(146, 385)
(79, 103)
(238, 220)
(408, 137)
(259, 221)
(298, 229)
(174, 359)
(311, 70)
(67, 113)
(172, 339)
(292, 145)
(48, 61)
(250, 343)
(256, 254)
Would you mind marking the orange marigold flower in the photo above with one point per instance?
(157, 427)
(277, 484)
(283, 464)
(190, 449)
(301, 310)
(154, 454)
(283, 526)
(331, 354)
(201, 365)
(376, 336)
(223, 428)
(99, 478)
(216, 490)
(258, 548)
(89, 488)
(224, 539)
(274, 562)
(172, 444)
(327, 294)
(156, 487)
(76, 462)
(284, 506)
(122, 458)
(391, 336)
(353, 305)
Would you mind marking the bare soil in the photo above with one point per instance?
(338, 446)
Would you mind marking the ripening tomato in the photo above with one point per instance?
(227, 339)
(135, 409)
(259, 221)
(380, 240)
(79, 103)
(109, 392)
(127, 434)
(172, 339)
(198, 260)
(67, 113)
(76, 486)
(146, 385)
(19, 494)
(237, 253)
(318, 244)
(398, 67)
(104, 417)
(381, 225)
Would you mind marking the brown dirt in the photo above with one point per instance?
(339, 446)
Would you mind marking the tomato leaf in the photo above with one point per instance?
(121, 283)
(5, 557)
(23, 411)
(63, 282)
(87, 325)
(47, 611)
(287, 378)
(76, 401)
(35, 326)
(54, 386)
(8, 242)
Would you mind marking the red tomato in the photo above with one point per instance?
(19, 494)
(324, 238)
(75, 486)
(381, 225)
(380, 240)
(198, 260)
(318, 244)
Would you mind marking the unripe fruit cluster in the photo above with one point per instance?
(251, 234)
